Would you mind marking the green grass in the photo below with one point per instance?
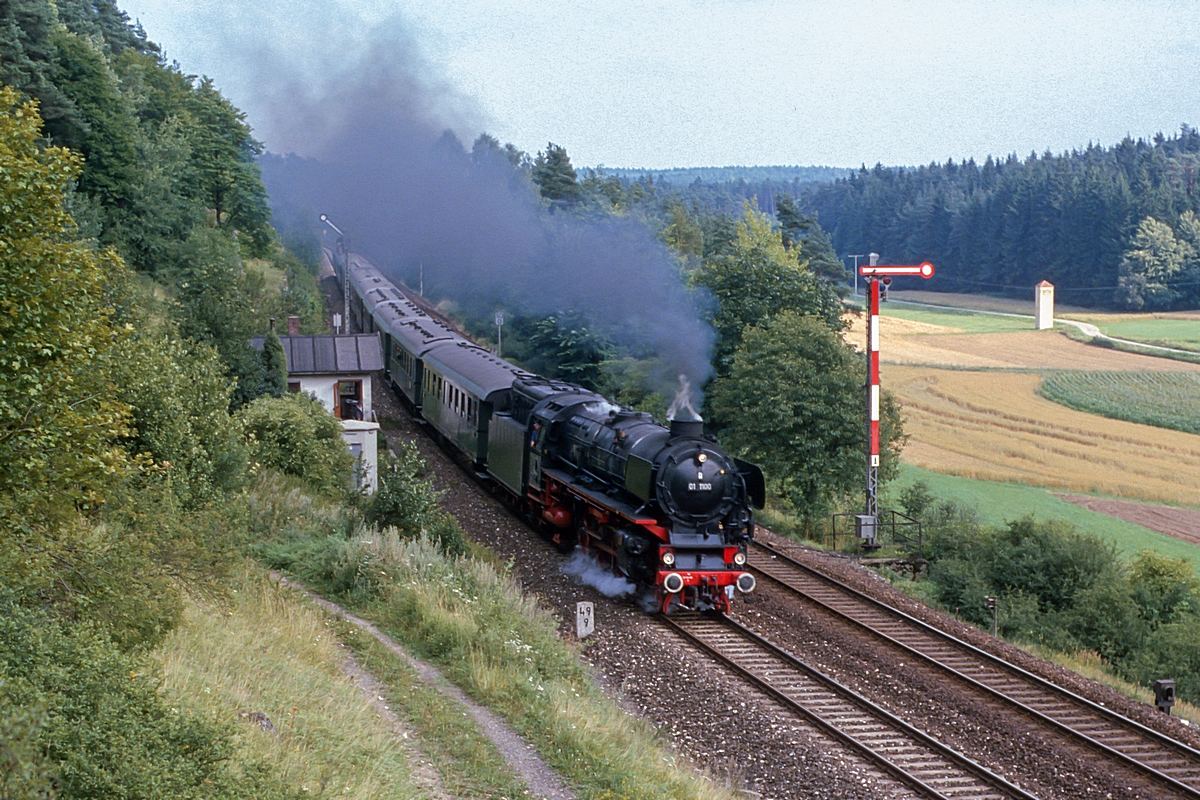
(264, 651)
(1182, 333)
(998, 503)
(1164, 399)
(966, 321)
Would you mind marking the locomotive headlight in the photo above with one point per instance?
(739, 558)
(668, 558)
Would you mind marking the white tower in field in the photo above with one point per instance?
(1043, 305)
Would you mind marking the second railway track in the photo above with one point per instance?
(917, 761)
(1156, 756)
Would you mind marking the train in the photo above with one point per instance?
(662, 505)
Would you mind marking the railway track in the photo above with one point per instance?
(1156, 756)
(916, 760)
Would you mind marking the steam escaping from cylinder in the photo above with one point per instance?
(586, 570)
(681, 407)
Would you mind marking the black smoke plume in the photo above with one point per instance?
(378, 155)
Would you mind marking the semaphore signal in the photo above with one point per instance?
(868, 523)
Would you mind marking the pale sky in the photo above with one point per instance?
(692, 83)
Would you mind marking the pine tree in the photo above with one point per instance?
(555, 177)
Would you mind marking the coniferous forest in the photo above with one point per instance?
(1111, 227)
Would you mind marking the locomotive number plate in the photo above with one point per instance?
(699, 487)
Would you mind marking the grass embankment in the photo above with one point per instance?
(263, 651)
(1094, 668)
(467, 616)
(998, 503)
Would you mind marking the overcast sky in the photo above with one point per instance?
(640, 83)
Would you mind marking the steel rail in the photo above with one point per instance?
(909, 755)
(1149, 752)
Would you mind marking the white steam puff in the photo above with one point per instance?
(681, 407)
(586, 570)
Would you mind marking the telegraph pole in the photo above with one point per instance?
(345, 273)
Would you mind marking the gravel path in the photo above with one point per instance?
(543, 782)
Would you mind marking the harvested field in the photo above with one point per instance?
(1020, 350)
(994, 425)
(1182, 523)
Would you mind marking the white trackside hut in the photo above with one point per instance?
(1043, 305)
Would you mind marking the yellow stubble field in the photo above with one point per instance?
(994, 425)
(972, 408)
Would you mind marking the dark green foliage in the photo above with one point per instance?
(407, 501)
(566, 348)
(555, 177)
(802, 233)
(1049, 561)
(916, 498)
(100, 726)
(179, 395)
(1171, 651)
(297, 436)
(1069, 591)
(109, 134)
(1165, 589)
(757, 279)
(792, 403)
(27, 59)
(274, 366)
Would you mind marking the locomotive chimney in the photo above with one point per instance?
(684, 419)
(687, 423)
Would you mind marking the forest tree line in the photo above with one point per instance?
(1112, 227)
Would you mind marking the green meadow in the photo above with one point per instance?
(998, 503)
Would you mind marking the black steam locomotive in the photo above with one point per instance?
(666, 507)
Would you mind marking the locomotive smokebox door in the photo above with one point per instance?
(585, 619)
(867, 527)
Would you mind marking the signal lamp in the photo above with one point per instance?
(739, 558)
(668, 558)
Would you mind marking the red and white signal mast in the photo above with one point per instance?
(867, 524)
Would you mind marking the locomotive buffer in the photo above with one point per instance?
(867, 524)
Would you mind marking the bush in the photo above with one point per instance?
(407, 501)
(1172, 651)
(179, 394)
(297, 436)
(83, 570)
(100, 726)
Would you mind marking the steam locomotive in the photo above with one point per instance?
(664, 506)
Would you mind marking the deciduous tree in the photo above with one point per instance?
(792, 403)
